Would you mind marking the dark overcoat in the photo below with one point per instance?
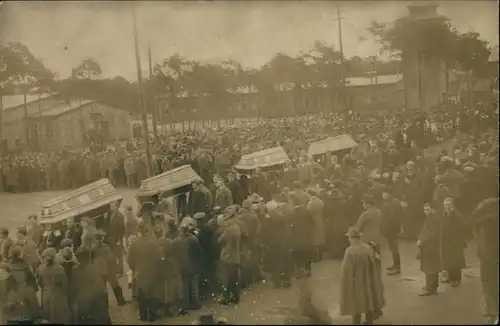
(430, 254)
(453, 240)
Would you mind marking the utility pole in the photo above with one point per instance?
(141, 96)
(342, 70)
(154, 107)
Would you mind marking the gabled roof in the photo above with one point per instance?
(15, 100)
(64, 107)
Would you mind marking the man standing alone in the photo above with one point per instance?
(361, 290)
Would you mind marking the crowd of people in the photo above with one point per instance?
(237, 230)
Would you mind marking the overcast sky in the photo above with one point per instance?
(64, 33)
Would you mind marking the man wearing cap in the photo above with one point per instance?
(370, 222)
(361, 289)
(144, 259)
(223, 196)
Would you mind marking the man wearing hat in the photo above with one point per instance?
(144, 258)
(315, 207)
(107, 266)
(361, 290)
(391, 226)
(199, 200)
(370, 222)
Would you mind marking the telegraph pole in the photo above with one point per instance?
(141, 96)
(154, 107)
(342, 70)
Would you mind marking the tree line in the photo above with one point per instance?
(178, 78)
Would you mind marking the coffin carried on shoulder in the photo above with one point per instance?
(92, 200)
(332, 145)
(170, 183)
(264, 159)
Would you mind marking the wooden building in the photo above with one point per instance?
(375, 92)
(51, 123)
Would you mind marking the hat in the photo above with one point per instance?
(199, 216)
(353, 232)
(312, 191)
(49, 253)
(66, 243)
(217, 209)
(246, 203)
(368, 199)
(255, 198)
(271, 206)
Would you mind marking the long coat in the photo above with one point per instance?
(53, 283)
(230, 244)
(198, 202)
(144, 260)
(361, 288)
(370, 225)
(453, 240)
(391, 217)
(430, 254)
(90, 292)
(302, 228)
(315, 207)
(24, 298)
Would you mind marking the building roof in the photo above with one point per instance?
(65, 106)
(379, 80)
(12, 101)
(494, 54)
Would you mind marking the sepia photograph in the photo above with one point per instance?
(249, 162)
